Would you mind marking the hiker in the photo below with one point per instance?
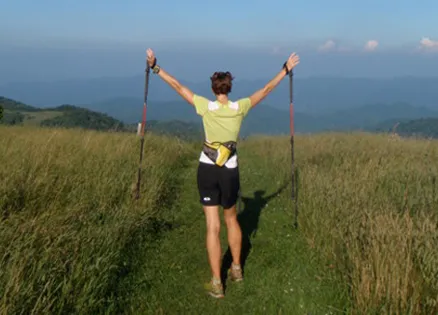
(218, 171)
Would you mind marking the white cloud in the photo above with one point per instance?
(328, 45)
(428, 44)
(371, 45)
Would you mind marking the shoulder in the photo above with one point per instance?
(244, 104)
(200, 99)
(201, 104)
(244, 101)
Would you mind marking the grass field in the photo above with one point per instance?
(68, 219)
(74, 241)
(36, 117)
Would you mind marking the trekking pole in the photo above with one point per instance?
(143, 124)
(292, 134)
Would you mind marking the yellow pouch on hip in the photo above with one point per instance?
(217, 152)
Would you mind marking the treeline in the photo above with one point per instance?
(75, 117)
(13, 105)
(181, 129)
(424, 128)
(70, 116)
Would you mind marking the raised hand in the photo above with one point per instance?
(150, 56)
(292, 61)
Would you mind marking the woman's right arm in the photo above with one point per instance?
(258, 96)
(182, 90)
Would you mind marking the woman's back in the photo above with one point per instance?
(221, 122)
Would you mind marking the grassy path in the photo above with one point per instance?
(282, 276)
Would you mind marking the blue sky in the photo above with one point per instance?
(88, 32)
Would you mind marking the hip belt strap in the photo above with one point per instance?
(219, 152)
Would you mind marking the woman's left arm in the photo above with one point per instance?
(169, 79)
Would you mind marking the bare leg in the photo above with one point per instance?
(213, 241)
(234, 233)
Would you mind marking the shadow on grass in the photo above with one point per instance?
(248, 219)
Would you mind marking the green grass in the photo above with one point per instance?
(35, 118)
(369, 203)
(68, 216)
(74, 241)
(281, 274)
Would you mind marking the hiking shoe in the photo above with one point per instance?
(235, 273)
(215, 288)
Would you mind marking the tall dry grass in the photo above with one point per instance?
(68, 223)
(369, 204)
(68, 218)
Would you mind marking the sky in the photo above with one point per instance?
(51, 40)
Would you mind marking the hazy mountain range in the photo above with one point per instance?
(179, 118)
(311, 95)
(268, 119)
(320, 103)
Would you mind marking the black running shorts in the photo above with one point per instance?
(218, 186)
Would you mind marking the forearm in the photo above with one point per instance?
(169, 79)
(183, 91)
(275, 81)
(258, 96)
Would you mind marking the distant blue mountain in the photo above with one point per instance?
(173, 117)
(311, 95)
(267, 119)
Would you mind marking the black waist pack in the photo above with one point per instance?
(220, 152)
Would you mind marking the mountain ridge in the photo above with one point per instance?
(268, 119)
(180, 119)
(311, 95)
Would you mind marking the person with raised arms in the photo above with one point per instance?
(218, 172)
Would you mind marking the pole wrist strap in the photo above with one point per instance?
(155, 67)
(285, 68)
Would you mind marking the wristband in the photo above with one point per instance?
(285, 68)
(155, 67)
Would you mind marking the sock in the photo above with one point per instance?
(235, 267)
(215, 280)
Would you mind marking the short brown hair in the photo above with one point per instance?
(221, 82)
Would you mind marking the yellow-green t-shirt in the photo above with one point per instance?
(221, 122)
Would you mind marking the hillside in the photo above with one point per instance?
(426, 127)
(76, 117)
(68, 116)
(13, 105)
(180, 119)
(423, 127)
(88, 247)
(265, 119)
